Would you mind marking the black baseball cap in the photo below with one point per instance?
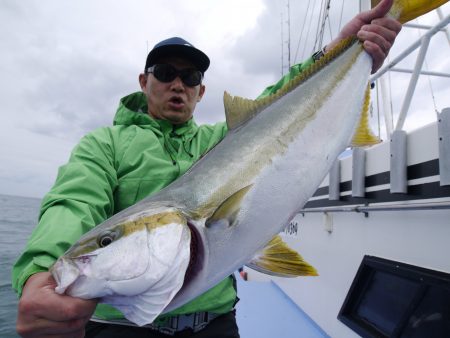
(178, 47)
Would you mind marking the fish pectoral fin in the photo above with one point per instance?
(363, 136)
(278, 259)
(228, 210)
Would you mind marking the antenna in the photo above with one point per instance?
(282, 44)
(288, 42)
(289, 34)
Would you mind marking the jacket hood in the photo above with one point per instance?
(133, 110)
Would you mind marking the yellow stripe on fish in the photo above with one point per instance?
(154, 221)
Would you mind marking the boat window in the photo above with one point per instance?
(394, 299)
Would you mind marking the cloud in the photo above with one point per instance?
(66, 64)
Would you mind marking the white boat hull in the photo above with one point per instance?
(410, 230)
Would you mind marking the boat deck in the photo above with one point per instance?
(265, 311)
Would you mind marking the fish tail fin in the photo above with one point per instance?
(277, 259)
(363, 135)
(407, 10)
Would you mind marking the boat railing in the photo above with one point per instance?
(423, 42)
(365, 209)
(398, 166)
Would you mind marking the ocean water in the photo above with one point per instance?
(18, 217)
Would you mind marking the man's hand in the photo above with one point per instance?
(42, 312)
(376, 32)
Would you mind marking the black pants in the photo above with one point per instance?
(221, 327)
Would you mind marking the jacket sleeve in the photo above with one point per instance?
(81, 198)
(293, 71)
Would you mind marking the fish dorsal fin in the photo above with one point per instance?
(238, 110)
(227, 211)
(277, 259)
(363, 135)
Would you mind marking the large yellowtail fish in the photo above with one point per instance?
(171, 247)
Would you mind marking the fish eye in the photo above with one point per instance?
(106, 239)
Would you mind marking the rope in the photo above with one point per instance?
(319, 24)
(325, 16)
(301, 33)
(329, 28)
(340, 18)
(309, 30)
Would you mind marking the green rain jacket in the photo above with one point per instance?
(111, 169)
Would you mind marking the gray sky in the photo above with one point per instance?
(65, 65)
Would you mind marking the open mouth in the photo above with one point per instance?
(176, 102)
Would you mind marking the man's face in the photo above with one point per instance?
(172, 101)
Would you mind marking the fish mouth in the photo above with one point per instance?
(196, 255)
(65, 273)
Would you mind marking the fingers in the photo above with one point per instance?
(384, 40)
(375, 30)
(378, 11)
(388, 23)
(378, 38)
(39, 291)
(366, 25)
(378, 55)
(42, 311)
(64, 308)
(382, 33)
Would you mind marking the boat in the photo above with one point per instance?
(378, 227)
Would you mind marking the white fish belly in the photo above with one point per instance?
(283, 153)
(283, 186)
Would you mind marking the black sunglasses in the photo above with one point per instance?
(167, 73)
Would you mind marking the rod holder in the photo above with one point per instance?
(444, 146)
(358, 172)
(398, 172)
(334, 191)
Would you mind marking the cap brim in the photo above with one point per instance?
(199, 59)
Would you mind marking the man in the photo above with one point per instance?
(153, 141)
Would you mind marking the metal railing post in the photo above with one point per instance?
(413, 82)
